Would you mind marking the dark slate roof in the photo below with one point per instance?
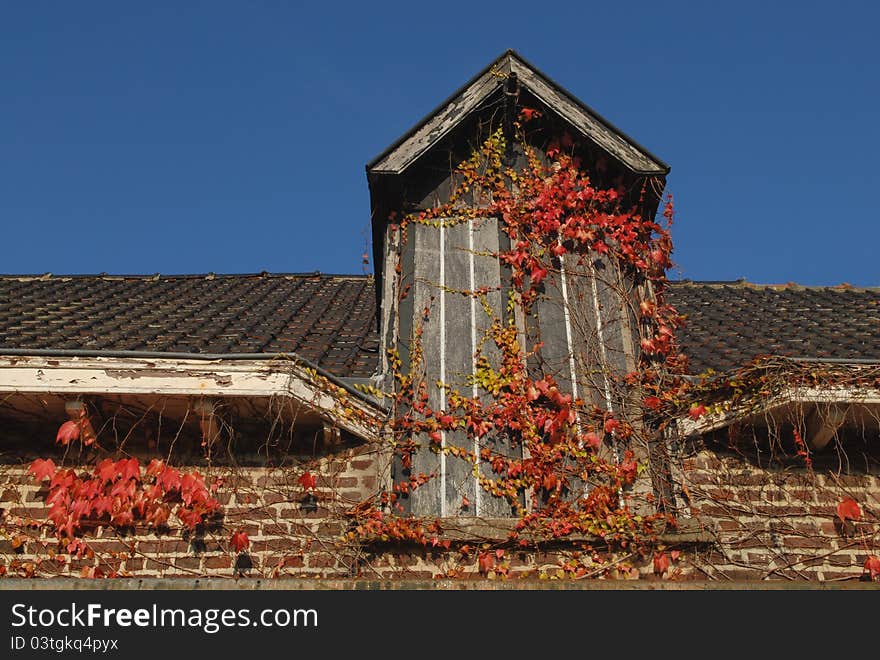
(330, 319)
(326, 319)
(729, 323)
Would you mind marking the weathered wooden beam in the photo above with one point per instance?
(198, 378)
(823, 424)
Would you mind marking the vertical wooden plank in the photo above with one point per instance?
(549, 317)
(487, 272)
(425, 501)
(400, 325)
(583, 321)
(460, 481)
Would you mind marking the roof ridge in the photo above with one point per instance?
(29, 277)
(794, 286)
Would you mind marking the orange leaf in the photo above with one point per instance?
(872, 565)
(848, 509)
(661, 563)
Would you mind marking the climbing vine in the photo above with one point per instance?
(575, 464)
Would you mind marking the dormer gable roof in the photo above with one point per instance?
(451, 112)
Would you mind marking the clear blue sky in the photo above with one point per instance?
(232, 137)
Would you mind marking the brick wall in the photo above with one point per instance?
(778, 523)
(291, 530)
(769, 524)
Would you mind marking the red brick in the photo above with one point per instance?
(800, 542)
(163, 547)
(218, 562)
(274, 497)
(186, 562)
(321, 561)
(276, 529)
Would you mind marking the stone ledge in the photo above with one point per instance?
(332, 584)
(690, 531)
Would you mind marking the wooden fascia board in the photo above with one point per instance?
(455, 109)
(789, 396)
(588, 123)
(177, 377)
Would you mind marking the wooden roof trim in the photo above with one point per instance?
(418, 140)
(197, 378)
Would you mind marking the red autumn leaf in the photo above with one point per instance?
(155, 467)
(538, 273)
(42, 469)
(592, 440)
(240, 541)
(872, 566)
(67, 433)
(123, 518)
(158, 517)
(697, 411)
(848, 509)
(169, 479)
(107, 470)
(189, 517)
(529, 113)
(447, 420)
(499, 553)
(435, 437)
(63, 479)
(661, 563)
(487, 562)
(130, 469)
(308, 481)
(611, 425)
(558, 249)
(675, 554)
(124, 488)
(653, 402)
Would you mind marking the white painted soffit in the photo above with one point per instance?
(198, 378)
(791, 396)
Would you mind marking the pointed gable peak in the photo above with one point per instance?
(470, 97)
